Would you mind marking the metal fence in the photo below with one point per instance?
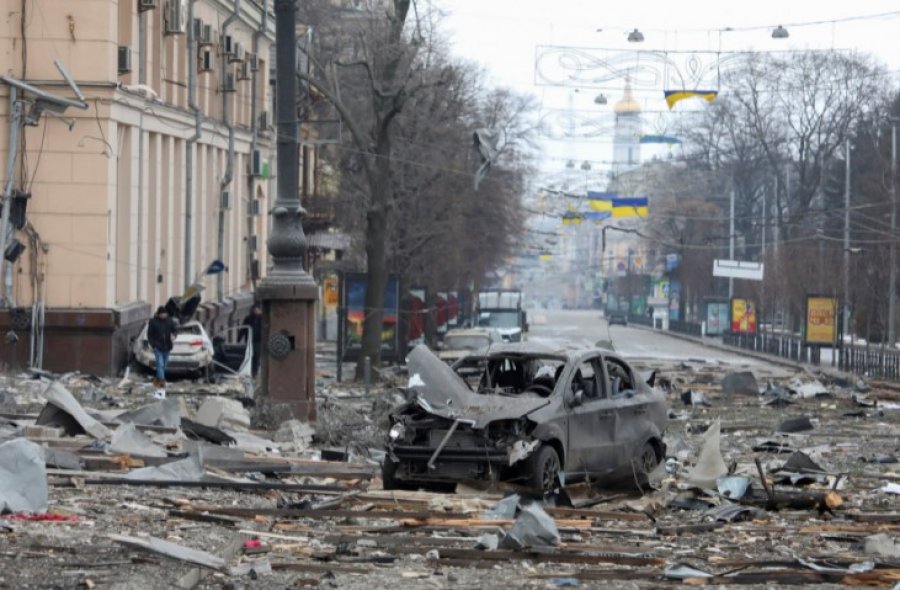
(689, 328)
(880, 363)
(786, 346)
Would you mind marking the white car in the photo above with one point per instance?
(192, 352)
(460, 343)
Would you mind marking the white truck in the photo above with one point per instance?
(504, 311)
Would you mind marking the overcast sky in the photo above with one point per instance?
(502, 36)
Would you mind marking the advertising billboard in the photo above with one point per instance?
(821, 320)
(716, 318)
(743, 316)
(355, 314)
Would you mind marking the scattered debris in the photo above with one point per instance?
(223, 413)
(740, 383)
(532, 529)
(798, 424)
(23, 477)
(63, 410)
(710, 465)
(128, 440)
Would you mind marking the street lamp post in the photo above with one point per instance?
(288, 293)
(847, 240)
(892, 275)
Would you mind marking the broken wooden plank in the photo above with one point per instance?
(221, 485)
(549, 557)
(330, 469)
(204, 517)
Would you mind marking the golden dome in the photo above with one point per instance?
(627, 104)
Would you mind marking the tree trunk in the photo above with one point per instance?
(376, 262)
(376, 280)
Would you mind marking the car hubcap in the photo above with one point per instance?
(551, 468)
(648, 461)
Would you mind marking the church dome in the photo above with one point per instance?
(627, 104)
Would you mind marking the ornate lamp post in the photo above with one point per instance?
(288, 293)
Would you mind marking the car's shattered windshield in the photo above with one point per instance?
(440, 390)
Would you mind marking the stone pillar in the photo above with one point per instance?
(288, 293)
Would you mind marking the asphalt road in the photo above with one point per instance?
(588, 328)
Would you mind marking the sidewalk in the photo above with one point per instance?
(761, 356)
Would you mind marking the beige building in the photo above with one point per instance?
(136, 194)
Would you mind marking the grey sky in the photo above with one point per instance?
(502, 35)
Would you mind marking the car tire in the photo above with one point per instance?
(647, 460)
(543, 468)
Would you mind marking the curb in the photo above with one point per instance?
(773, 360)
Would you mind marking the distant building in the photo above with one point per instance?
(127, 203)
(627, 135)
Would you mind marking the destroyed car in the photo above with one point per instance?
(525, 414)
(459, 343)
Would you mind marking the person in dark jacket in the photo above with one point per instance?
(161, 334)
(254, 322)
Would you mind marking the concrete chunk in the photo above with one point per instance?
(23, 477)
(221, 412)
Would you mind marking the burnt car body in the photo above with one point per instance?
(526, 414)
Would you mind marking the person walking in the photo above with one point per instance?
(254, 322)
(161, 335)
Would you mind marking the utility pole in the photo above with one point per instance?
(892, 280)
(847, 240)
(731, 241)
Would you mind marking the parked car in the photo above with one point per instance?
(193, 353)
(526, 414)
(459, 343)
(617, 317)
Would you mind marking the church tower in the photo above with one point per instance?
(626, 142)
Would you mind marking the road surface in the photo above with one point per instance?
(589, 328)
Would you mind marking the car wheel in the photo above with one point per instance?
(647, 460)
(544, 469)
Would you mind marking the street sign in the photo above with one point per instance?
(738, 269)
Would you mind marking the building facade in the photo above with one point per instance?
(167, 169)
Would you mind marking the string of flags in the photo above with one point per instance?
(606, 205)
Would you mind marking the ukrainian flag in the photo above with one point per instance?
(673, 96)
(545, 257)
(601, 202)
(630, 207)
(571, 218)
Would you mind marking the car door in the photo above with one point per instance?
(591, 419)
(629, 406)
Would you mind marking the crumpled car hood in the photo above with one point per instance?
(440, 391)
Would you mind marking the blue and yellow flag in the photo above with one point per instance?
(571, 218)
(673, 96)
(601, 202)
(545, 257)
(630, 207)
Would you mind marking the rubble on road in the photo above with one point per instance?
(140, 493)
